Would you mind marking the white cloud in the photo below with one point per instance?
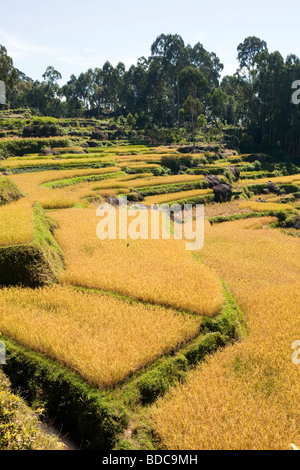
(18, 49)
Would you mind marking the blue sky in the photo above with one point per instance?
(75, 35)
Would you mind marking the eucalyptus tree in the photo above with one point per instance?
(8, 73)
(193, 84)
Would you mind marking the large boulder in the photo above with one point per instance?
(213, 180)
(223, 192)
(255, 158)
(272, 187)
(235, 171)
(99, 135)
(113, 201)
(139, 195)
(297, 223)
(93, 143)
(48, 151)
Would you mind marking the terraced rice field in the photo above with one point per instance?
(16, 223)
(155, 271)
(165, 198)
(125, 309)
(103, 338)
(247, 395)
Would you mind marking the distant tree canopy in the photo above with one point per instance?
(8, 73)
(172, 87)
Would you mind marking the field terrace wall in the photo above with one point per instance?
(36, 263)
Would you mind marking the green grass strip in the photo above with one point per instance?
(62, 183)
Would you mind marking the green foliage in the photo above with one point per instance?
(20, 147)
(175, 162)
(9, 191)
(19, 426)
(157, 382)
(230, 218)
(288, 219)
(161, 171)
(210, 343)
(130, 120)
(201, 121)
(289, 188)
(247, 143)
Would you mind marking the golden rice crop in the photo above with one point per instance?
(145, 180)
(160, 180)
(156, 271)
(58, 202)
(101, 337)
(164, 198)
(52, 198)
(46, 161)
(247, 395)
(139, 165)
(277, 180)
(225, 209)
(31, 181)
(138, 158)
(16, 223)
(265, 206)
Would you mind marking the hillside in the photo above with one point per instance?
(134, 343)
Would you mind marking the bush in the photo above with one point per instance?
(289, 188)
(20, 147)
(9, 191)
(210, 343)
(158, 381)
(171, 162)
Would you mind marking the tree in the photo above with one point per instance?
(194, 83)
(218, 99)
(192, 108)
(247, 51)
(8, 74)
(130, 121)
(201, 122)
(51, 76)
(170, 52)
(208, 63)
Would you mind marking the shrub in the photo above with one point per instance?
(8, 191)
(19, 147)
(157, 382)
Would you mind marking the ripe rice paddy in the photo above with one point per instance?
(16, 223)
(103, 338)
(142, 299)
(246, 396)
(155, 271)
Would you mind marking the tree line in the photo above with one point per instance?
(177, 85)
